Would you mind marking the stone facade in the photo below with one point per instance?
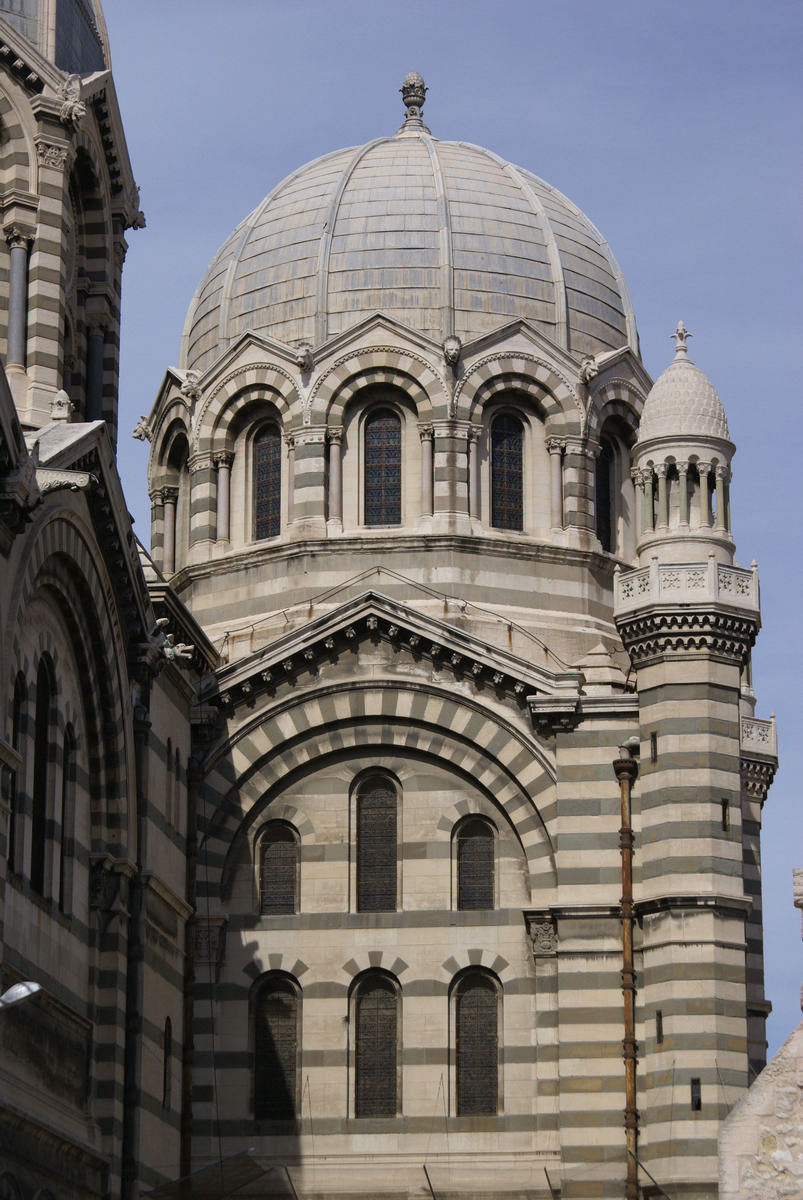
(420, 851)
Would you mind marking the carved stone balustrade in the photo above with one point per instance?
(687, 583)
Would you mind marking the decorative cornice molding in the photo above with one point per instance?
(650, 636)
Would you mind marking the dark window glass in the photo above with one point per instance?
(41, 775)
(278, 870)
(167, 1070)
(66, 815)
(603, 500)
(375, 1058)
(382, 468)
(376, 847)
(268, 481)
(276, 1049)
(696, 1096)
(14, 797)
(475, 865)
(507, 473)
(477, 1048)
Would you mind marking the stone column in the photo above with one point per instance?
(556, 446)
(223, 460)
(307, 471)
(579, 471)
(170, 499)
(427, 434)
(474, 506)
(704, 470)
(335, 438)
(202, 495)
(683, 485)
(290, 444)
(661, 470)
(722, 473)
(19, 240)
(647, 510)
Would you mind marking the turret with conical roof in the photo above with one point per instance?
(682, 465)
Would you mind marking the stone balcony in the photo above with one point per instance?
(697, 583)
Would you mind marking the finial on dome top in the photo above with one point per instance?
(414, 93)
(681, 336)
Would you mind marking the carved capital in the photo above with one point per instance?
(52, 154)
(556, 445)
(223, 458)
(17, 234)
(722, 472)
(683, 469)
(661, 470)
(169, 495)
(703, 469)
(543, 934)
(200, 462)
(334, 435)
(426, 432)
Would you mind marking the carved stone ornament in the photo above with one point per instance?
(51, 154)
(414, 93)
(588, 370)
(304, 359)
(18, 235)
(681, 336)
(142, 430)
(451, 350)
(63, 481)
(189, 387)
(543, 936)
(73, 109)
(61, 407)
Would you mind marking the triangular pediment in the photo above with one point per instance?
(373, 617)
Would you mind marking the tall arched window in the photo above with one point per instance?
(267, 482)
(278, 869)
(376, 1023)
(507, 472)
(475, 864)
(382, 436)
(17, 718)
(477, 1044)
(603, 499)
(276, 1023)
(377, 822)
(41, 776)
(66, 819)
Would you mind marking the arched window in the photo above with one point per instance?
(41, 776)
(267, 482)
(66, 819)
(18, 776)
(382, 437)
(507, 472)
(278, 869)
(475, 848)
(376, 1023)
(377, 805)
(276, 1023)
(614, 495)
(476, 1003)
(603, 498)
(167, 1064)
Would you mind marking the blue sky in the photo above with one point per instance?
(675, 127)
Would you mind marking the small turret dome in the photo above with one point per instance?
(683, 403)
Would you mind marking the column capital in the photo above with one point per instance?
(169, 495)
(661, 470)
(703, 468)
(334, 434)
(309, 435)
(18, 234)
(682, 468)
(223, 458)
(426, 431)
(54, 153)
(556, 445)
(200, 462)
(723, 472)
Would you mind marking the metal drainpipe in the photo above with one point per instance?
(626, 769)
(194, 777)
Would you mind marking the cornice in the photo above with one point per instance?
(653, 633)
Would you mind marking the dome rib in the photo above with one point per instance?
(446, 247)
(325, 245)
(558, 277)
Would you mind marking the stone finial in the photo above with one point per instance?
(61, 407)
(681, 336)
(414, 93)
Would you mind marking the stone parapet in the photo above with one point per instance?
(688, 583)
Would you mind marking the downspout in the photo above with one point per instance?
(626, 769)
(194, 777)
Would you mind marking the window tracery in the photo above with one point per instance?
(507, 472)
(382, 434)
(376, 1023)
(278, 869)
(477, 1001)
(267, 478)
(376, 822)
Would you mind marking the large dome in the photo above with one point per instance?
(443, 236)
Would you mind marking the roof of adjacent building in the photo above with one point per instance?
(445, 237)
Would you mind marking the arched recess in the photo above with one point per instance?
(509, 770)
(275, 1007)
(380, 457)
(477, 1024)
(377, 367)
(222, 414)
(528, 375)
(616, 518)
(255, 421)
(375, 1049)
(86, 279)
(64, 571)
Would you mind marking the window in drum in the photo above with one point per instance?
(278, 870)
(603, 496)
(507, 473)
(15, 792)
(267, 481)
(475, 864)
(376, 1022)
(41, 777)
(477, 1048)
(382, 434)
(276, 1013)
(376, 846)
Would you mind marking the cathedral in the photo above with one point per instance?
(390, 826)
